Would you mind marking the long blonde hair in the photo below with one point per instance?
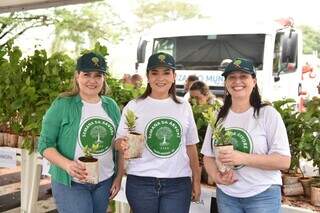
(75, 88)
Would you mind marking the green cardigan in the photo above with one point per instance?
(60, 128)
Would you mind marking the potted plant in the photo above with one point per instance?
(199, 112)
(91, 163)
(221, 139)
(294, 122)
(315, 191)
(135, 139)
(310, 144)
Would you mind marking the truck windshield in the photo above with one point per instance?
(207, 52)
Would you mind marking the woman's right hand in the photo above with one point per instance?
(77, 170)
(225, 178)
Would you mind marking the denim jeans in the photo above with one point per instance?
(82, 198)
(268, 201)
(158, 195)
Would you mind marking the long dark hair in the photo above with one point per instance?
(255, 102)
(172, 91)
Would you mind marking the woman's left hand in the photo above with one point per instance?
(232, 157)
(196, 191)
(115, 188)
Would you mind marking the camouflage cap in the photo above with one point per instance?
(161, 60)
(239, 64)
(90, 62)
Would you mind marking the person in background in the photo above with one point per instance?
(126, 79)
(166, 178)
(201, 93)
(260, 142)
(136, 81)
(77, 119)
(187, 85)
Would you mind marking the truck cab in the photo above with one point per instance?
(201, 46)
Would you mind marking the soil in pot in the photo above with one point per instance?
(136, 144)
(221, 167)
(92, 169)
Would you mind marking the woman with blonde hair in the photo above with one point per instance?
(201, 93)
(78, 119)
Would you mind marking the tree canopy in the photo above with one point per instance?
(15, 24)
(311, 39)
(153, 12)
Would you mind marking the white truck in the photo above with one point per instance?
(199, 47)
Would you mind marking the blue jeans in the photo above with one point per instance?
(158, 195)
(82, 198)
(268, 201)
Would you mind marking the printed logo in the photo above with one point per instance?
(237, 62)
(162, 58)
(97, 131)
(241, 141)
(163, 136)
(95, 61)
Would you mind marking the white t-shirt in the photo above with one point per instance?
(186, 96)
(97, 127)
(263, 135)
(168, 128)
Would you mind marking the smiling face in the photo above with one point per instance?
(240, 85)
(90, 84)
(160, 80)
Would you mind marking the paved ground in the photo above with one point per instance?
(10, 192)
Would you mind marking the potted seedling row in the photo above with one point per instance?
(91, 163)
(135, 139)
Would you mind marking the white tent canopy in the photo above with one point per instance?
(21, 5)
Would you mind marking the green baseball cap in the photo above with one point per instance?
(240, 64)
(90, 62)
(161, 60)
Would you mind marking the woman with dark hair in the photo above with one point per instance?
(166, 177)
(260, 142)
(75, 121)
(187, 84)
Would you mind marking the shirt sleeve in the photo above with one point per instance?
(122, 130)
(51, 123)
(277, 137)
(192, 131)
(207, 147)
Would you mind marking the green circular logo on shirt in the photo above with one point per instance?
(163, 136)
(241, 141)
(97, 131)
